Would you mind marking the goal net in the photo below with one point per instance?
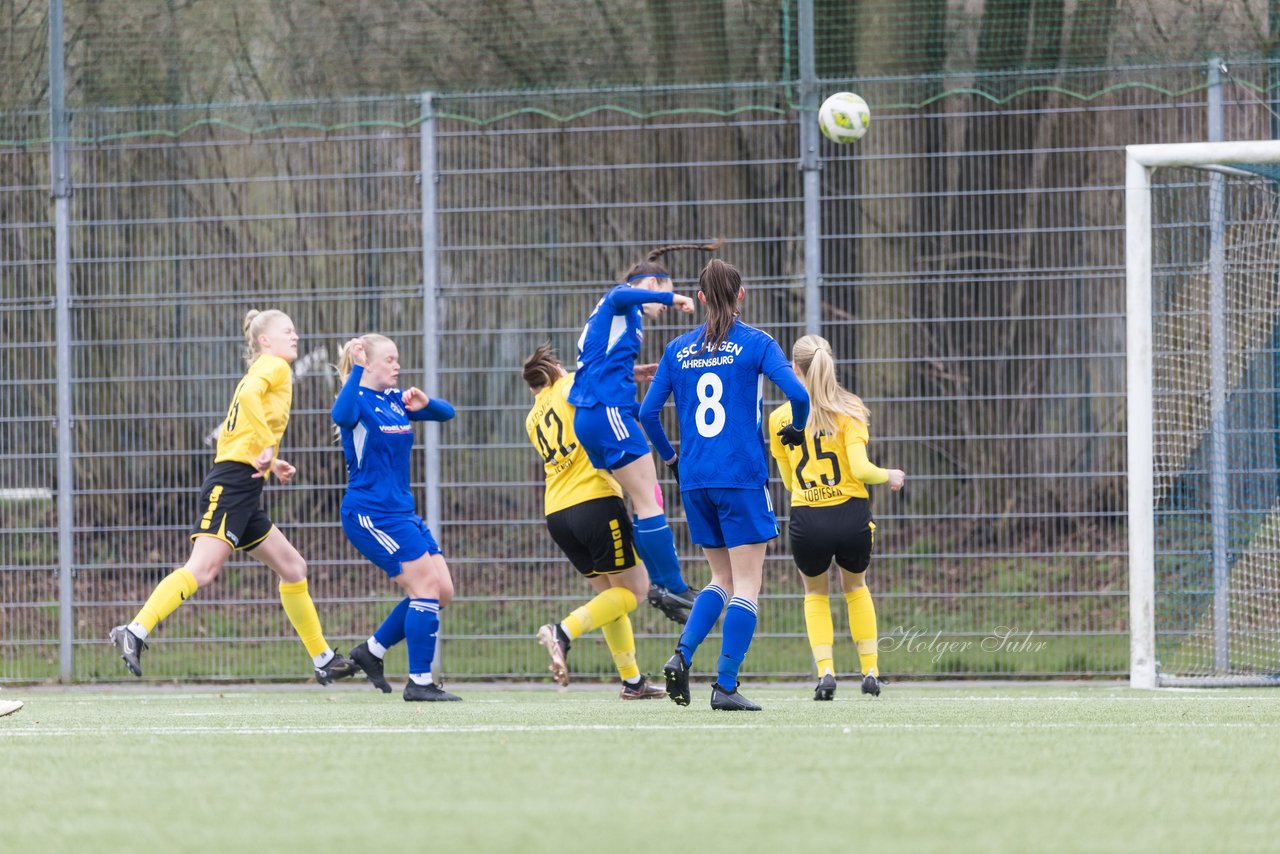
(1203, 246)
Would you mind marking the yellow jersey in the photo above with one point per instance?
(259, 411)
(571, 479)
(824, 470)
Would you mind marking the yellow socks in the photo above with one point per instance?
(600, 611)
(174, 589)
(302, 613)
(817, 620)
(608, 612)
(862, 625)
(622, 643)
(180, 585)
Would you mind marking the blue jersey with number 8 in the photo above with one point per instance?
(719, 400)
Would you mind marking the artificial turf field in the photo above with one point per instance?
(988, 768)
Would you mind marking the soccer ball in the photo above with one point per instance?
(844, 117)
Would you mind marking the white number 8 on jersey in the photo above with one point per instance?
(710, 390)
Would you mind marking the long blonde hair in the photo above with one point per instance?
(827, 400)
(371, 342)
(255, 324)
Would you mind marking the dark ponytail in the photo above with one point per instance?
(719, 283)
(651, 266)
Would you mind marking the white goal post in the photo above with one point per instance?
(1203, 354)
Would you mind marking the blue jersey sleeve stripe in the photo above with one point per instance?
(358, 438)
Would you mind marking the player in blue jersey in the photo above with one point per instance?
(604, 393)
(375, 420)
(716, 375)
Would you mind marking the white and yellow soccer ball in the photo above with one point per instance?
(844, 117)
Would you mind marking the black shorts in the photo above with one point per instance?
(231, 506)
(596, 535)
(841, 531)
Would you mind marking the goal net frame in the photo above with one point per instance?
(1141, 162)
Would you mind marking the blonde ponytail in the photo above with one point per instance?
(255, 324)
(827, 400)
(372, 341)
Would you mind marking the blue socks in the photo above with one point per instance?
(702, 619)
(657, 548)
(739, 628)
(391, 632)
(421, 624)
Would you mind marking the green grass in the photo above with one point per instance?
(950, 768)
(915, 654)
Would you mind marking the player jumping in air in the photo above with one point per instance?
(605, 396)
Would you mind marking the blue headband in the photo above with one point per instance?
(648, 276)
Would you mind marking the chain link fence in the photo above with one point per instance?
(971, 283)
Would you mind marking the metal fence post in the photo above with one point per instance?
(61, 191)
(811, 167)
(430, 327)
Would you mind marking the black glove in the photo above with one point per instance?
(791, 435)
(674, 466)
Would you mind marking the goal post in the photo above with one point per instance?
(1202, 248)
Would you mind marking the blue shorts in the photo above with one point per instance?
(389, 541)
(610, 435)
(721, 518)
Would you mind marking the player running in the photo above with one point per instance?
(232, 518)
(587, 519)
